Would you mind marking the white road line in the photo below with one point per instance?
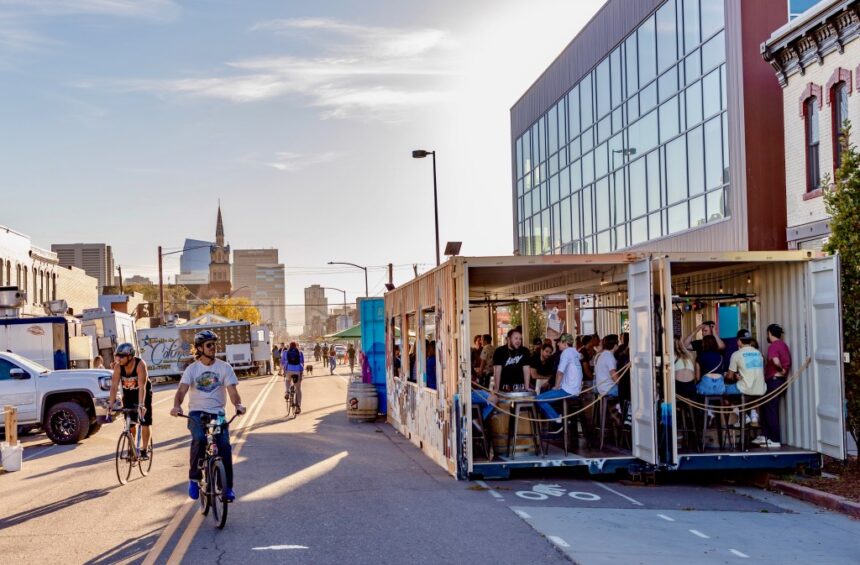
(493, 493)
(279, 547)
(522, 515)
(624, 496)
(666, 518)
(739, 553)
(700, 534)
(558, 541)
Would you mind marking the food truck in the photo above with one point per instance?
(659, 295)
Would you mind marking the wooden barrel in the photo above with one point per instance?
(500, 429)
(362, 402)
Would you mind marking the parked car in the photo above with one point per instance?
(66, 404)
(340, 352)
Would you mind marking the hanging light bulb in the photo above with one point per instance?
(749, 279)
(721, 287)
(687, 289)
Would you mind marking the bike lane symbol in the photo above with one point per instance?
(542, 492)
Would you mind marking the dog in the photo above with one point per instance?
(309, 370)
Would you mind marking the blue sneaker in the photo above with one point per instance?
(193, 490)
(230, 495)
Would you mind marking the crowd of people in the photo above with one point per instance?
(324, 353)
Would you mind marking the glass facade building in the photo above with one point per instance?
(637, 149)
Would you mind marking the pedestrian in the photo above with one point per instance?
(350, 353)
(332, 359)
(317, 352)
(776, 370)
(276, 357)
(98, 362)
(324, 353)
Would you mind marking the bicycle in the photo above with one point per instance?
(291, 399)
(128, 450)
(213, 485)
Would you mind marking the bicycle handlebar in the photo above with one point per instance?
(236, 415)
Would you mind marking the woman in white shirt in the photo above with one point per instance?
(605, 367)
(686, 370)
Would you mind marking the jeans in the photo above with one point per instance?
(544, 398)
(709, 386)
(332, 363)
(480, 398)
(197, 427)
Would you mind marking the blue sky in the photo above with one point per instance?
(125, 121)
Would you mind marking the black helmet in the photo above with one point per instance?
(124, 349)
(204, 336)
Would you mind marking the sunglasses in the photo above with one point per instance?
(209, 344)
(121, 355)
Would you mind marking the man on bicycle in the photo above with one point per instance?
(207, 378)
(129, 372)
(293, 362)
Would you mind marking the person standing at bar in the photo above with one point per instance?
(776, 369)
(511, 364)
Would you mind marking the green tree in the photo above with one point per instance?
(235, 308)
(843, 204)
(537, 318)
(175, 295)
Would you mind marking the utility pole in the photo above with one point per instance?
(391, 274)
(119, 268)
(160, 285)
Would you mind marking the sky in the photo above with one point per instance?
(126, 121)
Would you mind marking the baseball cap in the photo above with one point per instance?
(744, 335)
(566, 338)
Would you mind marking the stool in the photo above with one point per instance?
(713, 400)
(569, 404)
(478, 424)
(601, 413)
(742, 417)
(687, 425)
(519, 406)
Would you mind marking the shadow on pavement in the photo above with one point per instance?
(53, 507)
(129, 550)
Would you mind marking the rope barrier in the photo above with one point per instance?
(621, 375)
(761, 400)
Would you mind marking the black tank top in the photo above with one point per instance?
(129, 381)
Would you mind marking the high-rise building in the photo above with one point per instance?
(194, 262)
(219, 262)
(258, 276)
(96, 259)
(316, 311)
(245, 263)
(658, 127)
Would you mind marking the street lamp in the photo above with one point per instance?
(420, 154)
(358, 267)
(344, 297)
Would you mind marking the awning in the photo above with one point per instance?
(349, 333)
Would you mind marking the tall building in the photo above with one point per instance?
(96, 259)
(258, 276)
(817, 62)
(655, 128)
(219, 262)
(316, 311)
(194, 262)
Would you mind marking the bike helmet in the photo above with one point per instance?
(204, 336)
(124, 349)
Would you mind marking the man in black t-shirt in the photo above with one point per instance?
(511, 363)
(543, 367)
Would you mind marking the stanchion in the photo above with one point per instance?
(11, 451)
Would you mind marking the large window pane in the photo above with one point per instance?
(694, 104)
(647, 51)
(601, 161)
(603, 243)
(648, 98)
(638, 188)
(575, 208)
(587, 212)
(604, 129)
(645, 133)
(619, 210)
(669, 120)
(655, 198)
(587, 139)
(676, 170)
(564, 182)
(585, 101)
(692, 67)
(542, 155)
(615, 76)
(528, 163)
(601, 203)
(691, 24)
(678, 218)
(639, 231)
(667, 52)
(554, 194)
(556, 225)
(697, 212)
(668, 84)
(574, 149)
(716, 208)
(527, 206)
(632, 108)
(576, 175)
(655, 226)
(573, 112)
(725, 149)
(711, 93)
(695, 162)
(713, 17)
(713, 154)
(536, 204)
(601, 88)
(588, 168)
(714, 51)
(631, 55)
(519, 158)
(552, 127)
(565, 221)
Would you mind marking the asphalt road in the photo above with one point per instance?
(318, 489)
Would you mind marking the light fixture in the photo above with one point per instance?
(721, 287)
(749, 279)
(687, 289)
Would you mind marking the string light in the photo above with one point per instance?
(721, 287)
(749, 279)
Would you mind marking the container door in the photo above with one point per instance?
(826, 340)
(642, 383)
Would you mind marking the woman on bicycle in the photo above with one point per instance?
(129, 372)
(293, 362)
(209, 380)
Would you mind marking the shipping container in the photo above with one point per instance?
(656, 296)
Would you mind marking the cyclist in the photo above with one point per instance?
(207, 378)
(129, 373)
(293, 362)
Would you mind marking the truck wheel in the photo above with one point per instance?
(66, 423)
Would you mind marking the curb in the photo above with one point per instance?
(817, 497)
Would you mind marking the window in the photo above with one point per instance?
(813, 170)
(5, 368)
(395, 333)
(410, 338)
(430, 368)
(839, 103)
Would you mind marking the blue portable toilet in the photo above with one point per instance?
(372, 311)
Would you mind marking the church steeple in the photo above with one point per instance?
(219, 229)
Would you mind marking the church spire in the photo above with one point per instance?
(219, 228)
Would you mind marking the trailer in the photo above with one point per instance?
(40, 337)
(658, 295)
(107, 330)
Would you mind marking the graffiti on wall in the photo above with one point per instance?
(161, 353)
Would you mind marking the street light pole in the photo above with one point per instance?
(366, 293)
(420, 154)
(344, 296)
(160, 285)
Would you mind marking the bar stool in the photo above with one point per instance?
(569, 405)
(478, 424)
(742, 417)
(518, 406)
(601, 413)
(687, 425)
(715, 400)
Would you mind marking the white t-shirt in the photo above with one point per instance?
(603, 367)
(749, 364)
(207, 392)
(571, 367)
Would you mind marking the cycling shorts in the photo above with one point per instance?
(131, 398)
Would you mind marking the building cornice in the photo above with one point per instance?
(794, 47)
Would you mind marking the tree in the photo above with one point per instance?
(235, 308)
(843, 204)
(175, 295)
(537, 318)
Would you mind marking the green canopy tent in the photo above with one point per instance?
(349, 333)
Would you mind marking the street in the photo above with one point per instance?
(319, 489)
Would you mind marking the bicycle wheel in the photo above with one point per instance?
(146, 464)
(219, 493)
(204, 491)
(124, 462)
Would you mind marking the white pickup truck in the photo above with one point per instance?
(65, 404)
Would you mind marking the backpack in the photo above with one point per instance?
(293, 357)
